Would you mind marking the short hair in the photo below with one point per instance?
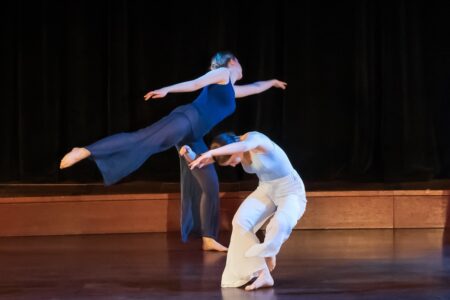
(221, 59)
(223, 139)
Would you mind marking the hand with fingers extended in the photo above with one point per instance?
(201, 161)
(279, 84)
(161, 93)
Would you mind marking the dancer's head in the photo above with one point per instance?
(224, 139)
(228, 60)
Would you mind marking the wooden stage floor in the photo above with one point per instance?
(313, 264)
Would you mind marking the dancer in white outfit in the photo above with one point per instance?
(280, 196)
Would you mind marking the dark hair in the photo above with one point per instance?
(222, 140)
(221, 59)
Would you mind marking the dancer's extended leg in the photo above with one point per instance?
(120, 154)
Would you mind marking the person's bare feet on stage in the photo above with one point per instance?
(271, 262)
(210, 244)
(73, 157)
(187, 153)
(264, 280)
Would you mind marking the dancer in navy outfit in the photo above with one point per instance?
(121, 154)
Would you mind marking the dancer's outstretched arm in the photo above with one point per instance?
(249, 141)
(219, 76)
(258, 87)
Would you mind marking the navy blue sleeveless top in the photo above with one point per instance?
(215, 103)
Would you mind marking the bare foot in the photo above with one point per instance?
(210, 244)
(187, 153)
(264, 280)
(271, 262)
(73, 157)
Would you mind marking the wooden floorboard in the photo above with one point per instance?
(313, 264)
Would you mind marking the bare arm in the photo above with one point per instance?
(219, 76)
(250, 141)
(257, 87)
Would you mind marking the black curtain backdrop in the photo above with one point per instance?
(367, 98)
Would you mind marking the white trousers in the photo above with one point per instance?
(284, 200)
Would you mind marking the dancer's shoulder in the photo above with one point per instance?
(263, 142)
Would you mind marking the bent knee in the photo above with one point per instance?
(294, 212)
(284, 222)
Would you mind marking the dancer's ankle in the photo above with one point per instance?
(263, 280)
(271, 262)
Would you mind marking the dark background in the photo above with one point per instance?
(367, 98)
